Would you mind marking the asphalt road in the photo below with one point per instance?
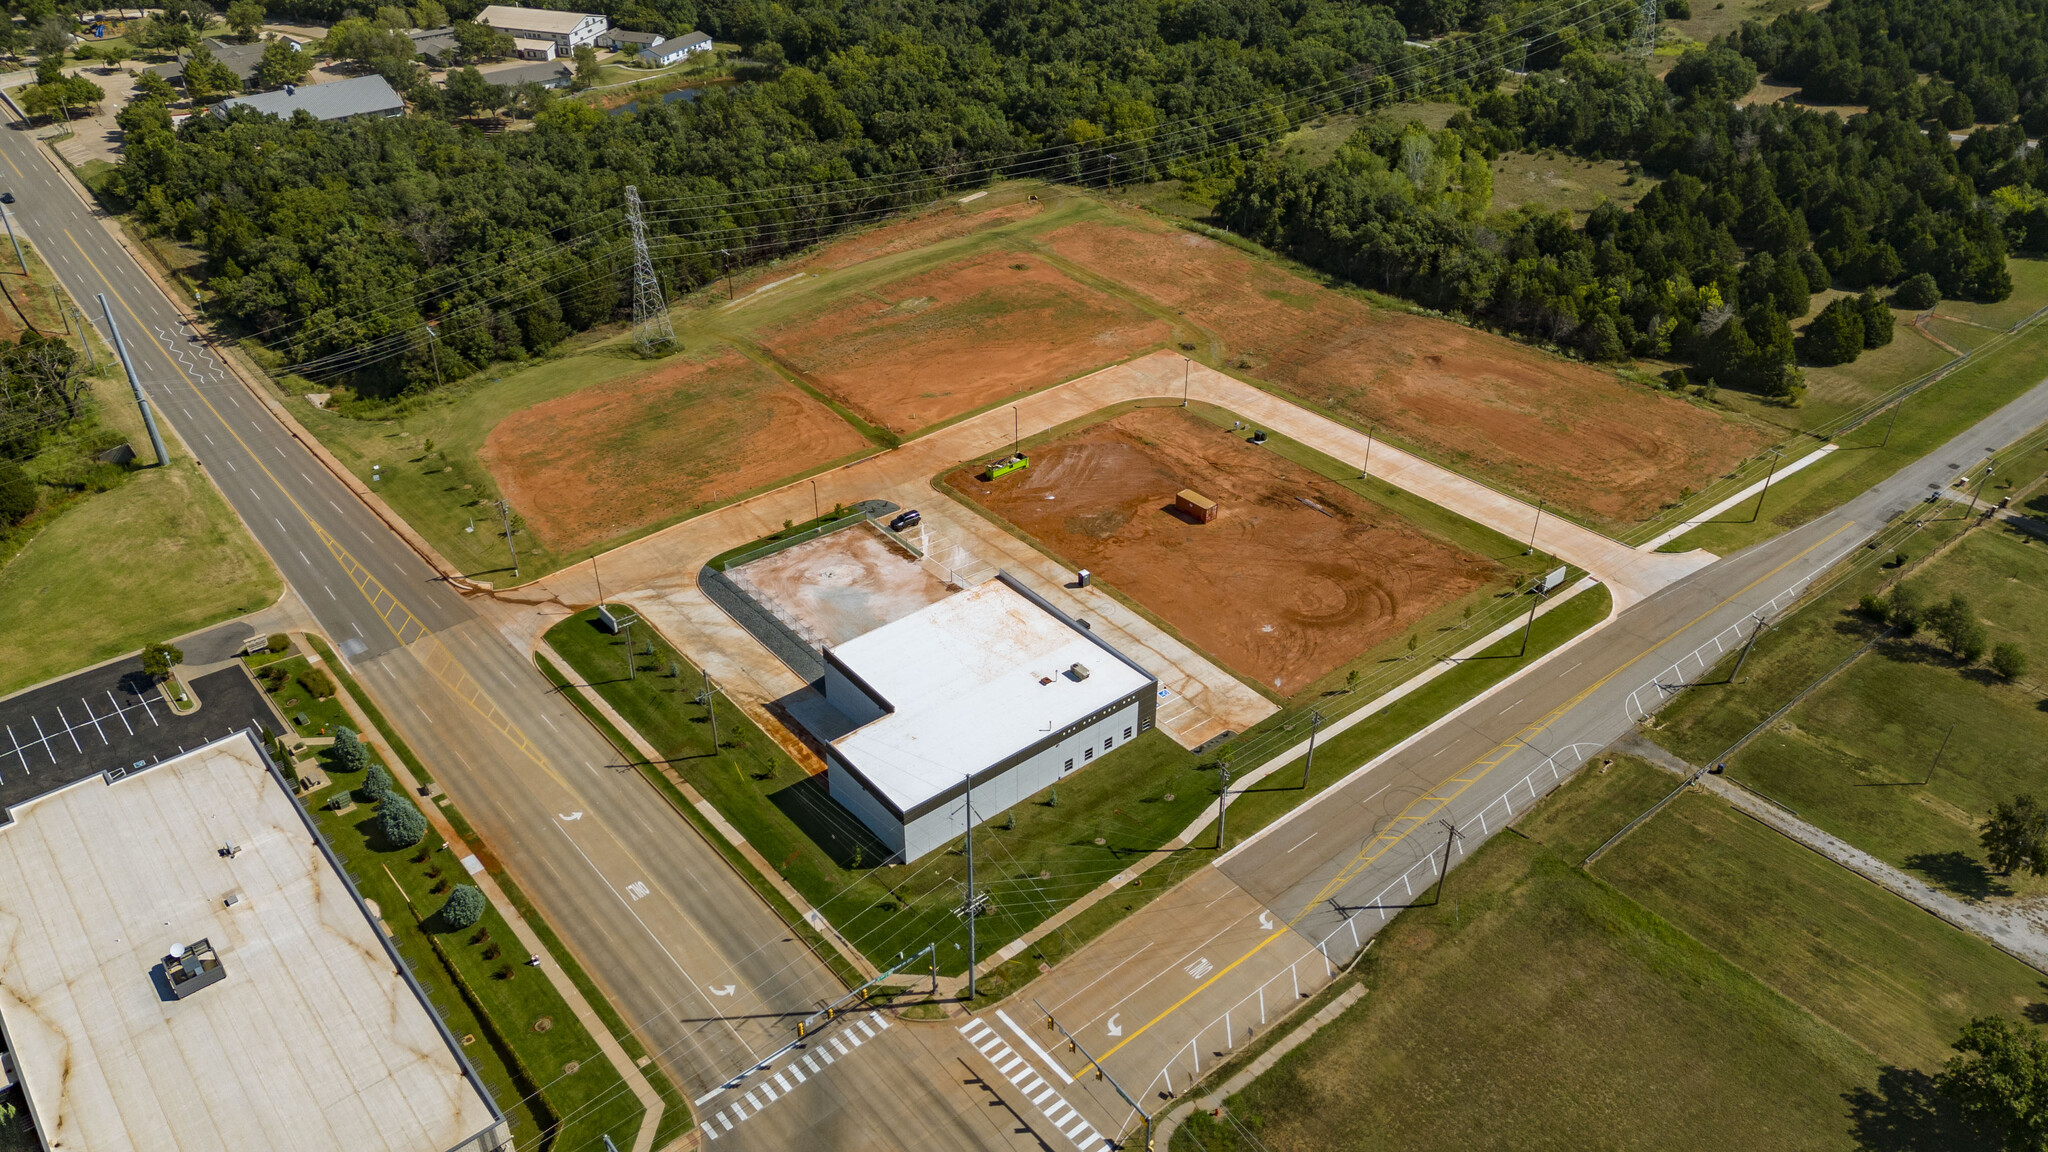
(707, 973)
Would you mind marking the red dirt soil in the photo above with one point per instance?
(621, 455)
(1567, 432)
(1275, 589)
(964, 335)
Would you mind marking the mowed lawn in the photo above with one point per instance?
(1850, 757)
(1540, 1007)
(157, 557)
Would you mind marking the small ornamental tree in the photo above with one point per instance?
(158, 659)
(464, 907)
(2015, 836)
(2009, 661)
(348, 750)
(1877, 320)
(398, 822)
(1918, 292)
(376, 785)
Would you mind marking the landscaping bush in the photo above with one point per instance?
(317, 683)
(348, 752)
(278, 642)
(2009, 661)
(399, 822)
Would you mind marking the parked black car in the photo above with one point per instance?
(905, 520)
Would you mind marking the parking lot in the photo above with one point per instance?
(113, 719)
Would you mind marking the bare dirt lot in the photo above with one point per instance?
(1279, 589)
(934, 345)
(839, 586)
(626, 453)
(1567, 432)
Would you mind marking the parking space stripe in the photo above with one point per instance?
(45, 739)
(95, 721)
(118, 710)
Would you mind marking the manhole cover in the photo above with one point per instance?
(544, 1023)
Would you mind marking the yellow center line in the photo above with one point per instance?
(1380, 844)
(438, 659)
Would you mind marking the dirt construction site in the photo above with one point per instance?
(1295, 575)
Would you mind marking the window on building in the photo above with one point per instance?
(1069, 767)
(1087, 753)
(1107, 742)
(1127, 733)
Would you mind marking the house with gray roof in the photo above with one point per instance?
(339, 100)
(242, 59)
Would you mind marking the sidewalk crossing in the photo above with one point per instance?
(1026, 1079)
(803, 1066)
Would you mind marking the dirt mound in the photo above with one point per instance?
(932, 346)
(1294, 577)
(625, 454)
(1568, 432)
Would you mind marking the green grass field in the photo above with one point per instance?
(1926, 421)
(294, 699)
(1538, 1006)
(1850, 757)
(1554, 181)
(158, 555)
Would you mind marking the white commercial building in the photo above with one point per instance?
(189, 970)
(567, 30)
(991, 682)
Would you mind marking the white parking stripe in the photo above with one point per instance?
(95, 721)
(68, 732)
(117, 711)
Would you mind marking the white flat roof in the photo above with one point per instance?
(964, 677)
(311, 1042)
(505, 17)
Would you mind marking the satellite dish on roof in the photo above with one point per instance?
(176, 950)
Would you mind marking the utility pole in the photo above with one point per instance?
(815, 514)
(156, 440)
(505, 511)
(1531, 625)
(1451, 835)
(1315, 721)
(1365, 469)
(710, 699)
(1766, 490)
(1187, 366)
(85, 337)
(632, 661)
(727, 254)
(1222, 808)
(973, 910)
(1016, 430)
(1751, 643)
(1889, 424)
(650, 311)
(1101, 1073)
(434, 344)
(1981, 481)
(1532, 529)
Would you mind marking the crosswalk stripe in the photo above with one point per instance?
(754, 1102)
(992, 1043)
(725, 1120)
(793, 1070)
(1038, 1101)
(1018, 1076)
(781, 1083)
(973, 1026)
(863, 1025)
(1037, 1082)
(880, 1021)
(825, 1056)
(1005, 1067)
(843, 1049)
(1053, 1113)
(1074, 1133)
(809, 1063)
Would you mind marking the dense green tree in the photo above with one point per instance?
(2009, 660)
(158, 659)
(206, 78)
(1836, 335)
(246, 18)
(480, 43)
(17, 494)
(2000, 1080)
(1877, 320)
(1955, 621)
(282, 64)
(350, 755)
(399, 822)
(2015, 836)
(1918, 292)
(467, 92)
(463, 908)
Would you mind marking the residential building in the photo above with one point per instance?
(336, 100)
(566, 30)
(673, 51)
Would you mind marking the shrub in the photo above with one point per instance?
(348, 752)
(317, 683)
(1918, 292)
(463, 908)
(1873, 606)
(17, 494)
(278, 642)
(2009, 661)
(399, 822)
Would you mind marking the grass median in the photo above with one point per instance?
(1709, 984)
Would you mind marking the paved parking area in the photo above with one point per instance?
(112, 719)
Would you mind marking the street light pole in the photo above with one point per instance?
(1222, 809)
(814, 503)
(1532, 529)
(1315, 721)
(1766, 490)
(1365, 469)
(505, 511)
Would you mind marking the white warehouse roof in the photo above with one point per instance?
(973, 678)
(310, 1041)
(506, 18)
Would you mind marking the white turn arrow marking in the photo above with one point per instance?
(728, 990)
(571, 816)
(1266, 920)
(1114, 1028)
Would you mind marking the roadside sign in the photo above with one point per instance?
(1550, 581)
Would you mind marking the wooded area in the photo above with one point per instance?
(336, 243)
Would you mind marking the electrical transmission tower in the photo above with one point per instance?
(651, 328)
(1648, 14)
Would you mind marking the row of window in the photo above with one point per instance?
(1088, 754)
